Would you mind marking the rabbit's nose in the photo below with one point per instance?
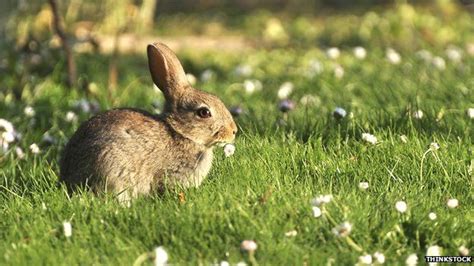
(234, 129)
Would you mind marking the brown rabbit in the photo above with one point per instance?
(131, 152)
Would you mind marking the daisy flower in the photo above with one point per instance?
(463, 251)
(229, 150)
(321, 199)
(161, 256)
(434, 146)
(369, 138)
(29, 111)
(401, 206)
(291, 233)
(433, 251)
(411, 260)
(285, 90)
(67, 229)
(317, 212)
(71, 116)
(248, 245)
(418, 114)
(393, 56)
(363, 185)
(470, 113)
(338, 71)
(360, 52)
(342, 230)
(365, 259)
(379, 257)
(333, 52)
(452, 203)
(339, 112)
(34, 148)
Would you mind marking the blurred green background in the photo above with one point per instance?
(105, 35)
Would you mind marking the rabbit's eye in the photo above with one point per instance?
(203, 112)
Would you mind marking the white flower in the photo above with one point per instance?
(411, 260)
(19, 152)
(67, 228)
(248, 245)
(321, 199)
(433, 251)
(439, 63)
(6, 125)
(243, 70)
(365, 259)
(8, 137)
(463, 251)
(291, 233)
(393, 57)
(404, 138)
(71, 116)
(252, 85)
(229, 149)
(338, 71)
(363, 185)
(224, 263)
(432, 216)
(434, 146)
(34, 148)
(161, 256)
(401, 206)
(207, 75)
(418, 114)
(241, 263)
(379, 257)
(29, 111)
(369, 138)
(470, 113)
(191, 78)
(342, 230)
(333, 52)
(360, 52)
(454, 54)
(452, 203)
(317, 212)
(339, 112)
(285, 90)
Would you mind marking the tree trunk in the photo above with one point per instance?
(147, 13)
(58, 27)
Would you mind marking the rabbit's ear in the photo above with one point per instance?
(166, 71)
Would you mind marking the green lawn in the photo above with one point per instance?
(282, 162)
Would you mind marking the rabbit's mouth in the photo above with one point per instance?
(222, 143)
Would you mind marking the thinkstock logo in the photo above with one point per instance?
(448, 259)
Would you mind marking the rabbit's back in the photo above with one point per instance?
(123, 149)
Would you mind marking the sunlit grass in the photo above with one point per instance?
(282, 161)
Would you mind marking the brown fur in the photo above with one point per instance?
(131, 152)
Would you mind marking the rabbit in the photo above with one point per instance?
(131, 152)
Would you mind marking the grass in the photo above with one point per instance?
(281, 163)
